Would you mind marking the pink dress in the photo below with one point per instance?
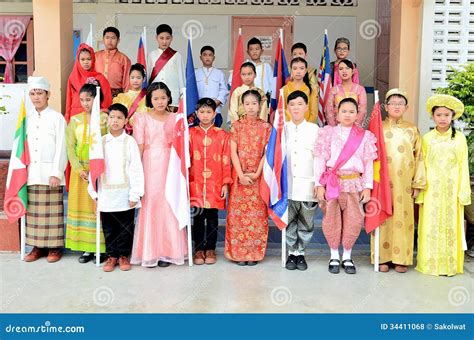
(157, 236)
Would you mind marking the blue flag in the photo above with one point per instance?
(192, 95)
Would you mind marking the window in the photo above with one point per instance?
(23, 63)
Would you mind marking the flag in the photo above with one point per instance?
(16, 197)
(324, 80)
(176, 189)
(379, 208)
(96, 150)
(192, 95)
(274, 186)
(280, 76)
(141, 54)
(90, 39)
(238, 61)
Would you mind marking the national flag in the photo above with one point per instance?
(324, 80)
(141, 54)
(274, 185)
(192, 94)
(16, 196)
(238, 61)
(176, 188)
(379, 208)
(280, 75)
(90, 38)
(96, 150)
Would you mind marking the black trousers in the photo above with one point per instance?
(205, 229)
(118, 227)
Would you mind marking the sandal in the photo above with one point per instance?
(334, 268)
(384, 268)
(349, 269)
(401, 269)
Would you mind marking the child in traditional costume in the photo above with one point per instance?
(441, 236)
(344, 156)
(263, 70)
(300, 50)
(342, 47)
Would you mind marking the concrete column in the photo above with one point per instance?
(405, 47)
(53, 46)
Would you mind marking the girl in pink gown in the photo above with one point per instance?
(157, 239)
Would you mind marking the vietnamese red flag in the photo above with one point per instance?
(176, 189)
(379, 208)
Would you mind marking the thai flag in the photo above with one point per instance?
(141, 54)
(274, 185)
(324, 80)
(280, 76)
(96, 151)
(176, 188)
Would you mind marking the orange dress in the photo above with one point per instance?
(210, 166)
(247, 216)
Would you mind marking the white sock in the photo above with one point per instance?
(335, 254)
(86, 253)
(347, 256)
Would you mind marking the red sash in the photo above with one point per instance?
(133, 109)
(161, 62)
(330, 177)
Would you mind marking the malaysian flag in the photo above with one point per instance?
(274, 186)
(324, 80)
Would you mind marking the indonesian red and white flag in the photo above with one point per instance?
(96, 150)
(176, 190)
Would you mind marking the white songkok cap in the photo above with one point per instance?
(40, 83)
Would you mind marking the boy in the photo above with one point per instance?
(301, 139)
(209, 179)
(211, 82)
(299, 50)
(236, 107)
(407, 178)
(48, 158)
(166, 65)
(120, 189)
(264, 72)
(113, 64)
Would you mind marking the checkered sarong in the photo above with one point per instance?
(45, 217)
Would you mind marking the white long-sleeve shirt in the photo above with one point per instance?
(211, 83)
(172, 74)
(45, 133)
(264, 77)
(123, 180)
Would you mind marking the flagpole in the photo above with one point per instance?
(283, 231)
(190, 241)
(97, 212)
(377, 231)
(22, 237)
(144, 42)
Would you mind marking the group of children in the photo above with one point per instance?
(332, 167)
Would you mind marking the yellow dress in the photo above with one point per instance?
(441, 239)
(127, 100)
(81, 219)
(236, 108)
(407, 172)
(311, 114)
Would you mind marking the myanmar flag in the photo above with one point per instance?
(16, 197)
(379, 208)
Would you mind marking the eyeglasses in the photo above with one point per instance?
(342, 49)
(397, 104)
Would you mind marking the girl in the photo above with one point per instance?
(347, 89)
(157, 239)
(236, 108)
(82, 71)
(344, 156)
(81, 219)
(441, 238)
(300, 81)
(247, 217)
(134, 98)
(342, 48)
